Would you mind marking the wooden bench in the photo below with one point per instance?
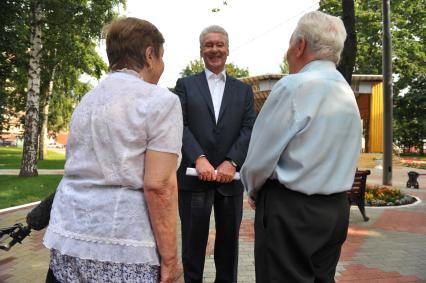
(357, 193)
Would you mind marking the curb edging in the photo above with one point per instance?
(18, 207)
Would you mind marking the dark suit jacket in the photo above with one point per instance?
(229, 138)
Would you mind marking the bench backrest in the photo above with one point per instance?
(358, 186)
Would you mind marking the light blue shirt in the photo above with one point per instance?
(307, 135)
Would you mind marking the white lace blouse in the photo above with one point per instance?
(99, 211)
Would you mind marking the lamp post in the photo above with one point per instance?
(387, 95)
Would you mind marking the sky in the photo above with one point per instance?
(259, 30)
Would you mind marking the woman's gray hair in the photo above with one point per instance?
(324, 34)
(214, 29)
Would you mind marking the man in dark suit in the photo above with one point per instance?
(218, 118)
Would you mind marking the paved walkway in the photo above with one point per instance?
(391, 247)
(40, 171)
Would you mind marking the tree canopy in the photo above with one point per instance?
(62, 51)
(197, 66)
(408, 31)
(14, 43)
(410, 114)
(70, 29)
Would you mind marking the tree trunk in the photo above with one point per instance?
(42, 151)
(347, 59)
(29, 155)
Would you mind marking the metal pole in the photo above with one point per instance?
(387, 95)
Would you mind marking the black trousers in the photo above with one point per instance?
(194, 211)
(298, 238)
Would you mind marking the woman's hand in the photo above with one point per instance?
(251, 203)
(168, 270)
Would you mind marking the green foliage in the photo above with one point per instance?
(408, 31)
(368, 26)
(71, 30)
(197, 66)
(14, 42)
(284, 66)
(236, 72)
(193, 67)
(11, 159)
(70, 38)
(17, 191)
(412, 156)
(410, 115)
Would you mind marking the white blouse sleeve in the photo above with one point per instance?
(164, 124)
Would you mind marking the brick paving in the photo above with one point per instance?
(391, 247)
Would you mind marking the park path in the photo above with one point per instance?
(40, 171)
(390, 247)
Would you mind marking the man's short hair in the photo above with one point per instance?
(324, 34)
(127, 40)
(214, 29)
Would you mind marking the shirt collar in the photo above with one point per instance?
(129, 72)
(210, 74)
(318, 64)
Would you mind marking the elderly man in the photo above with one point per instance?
(302, 159)
(218, 118)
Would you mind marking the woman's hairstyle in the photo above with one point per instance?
(214, 29)
(324, 34)
(127, 40)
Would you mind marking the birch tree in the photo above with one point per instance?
(29, 155)
(70, 31)
(73, 29)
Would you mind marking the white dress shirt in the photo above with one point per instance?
(216, 87)
(307, 135)
(99, 211)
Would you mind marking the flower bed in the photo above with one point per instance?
(386, 196)
(414, 162)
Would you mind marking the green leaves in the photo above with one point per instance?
(410, 114)
(197, 66)
(408, 30)
(71, 31)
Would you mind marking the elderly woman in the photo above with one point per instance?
(114, 214)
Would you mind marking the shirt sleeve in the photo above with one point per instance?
(274, 128)
(164, 126)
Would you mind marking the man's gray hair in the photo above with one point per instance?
(324, 34)
(214, 29)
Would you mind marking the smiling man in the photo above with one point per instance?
(218, 118)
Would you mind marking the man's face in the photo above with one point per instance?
(214, 52)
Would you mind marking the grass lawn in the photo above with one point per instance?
(16, 190)
(10, 158)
